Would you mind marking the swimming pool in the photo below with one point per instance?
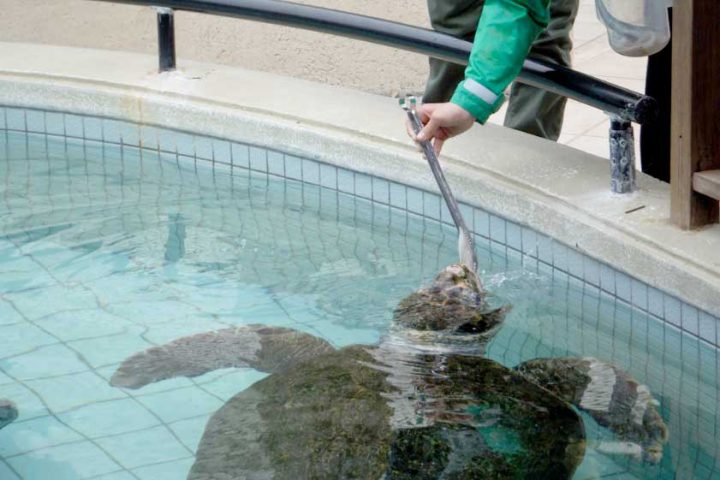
(108, 248)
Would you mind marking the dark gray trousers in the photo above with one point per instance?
(530, 109)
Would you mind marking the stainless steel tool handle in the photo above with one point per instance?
(466, 244)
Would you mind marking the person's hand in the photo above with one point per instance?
(442, 121)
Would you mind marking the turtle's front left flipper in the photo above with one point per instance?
(265, 348)
(610, 395)
(8, 412)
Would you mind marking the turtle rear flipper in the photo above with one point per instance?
(610, 395)
(8, 413)
(265, 348)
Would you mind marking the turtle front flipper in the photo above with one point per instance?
(8, 412)
(265, 348)
(611, 396)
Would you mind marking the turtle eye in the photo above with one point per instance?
(469, 327)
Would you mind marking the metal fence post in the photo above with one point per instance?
(622, 156)
(166, 38)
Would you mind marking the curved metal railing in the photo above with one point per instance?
(615, 100)
(623, 105)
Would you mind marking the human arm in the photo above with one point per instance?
(504, 35)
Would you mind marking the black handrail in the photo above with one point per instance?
(614, 100)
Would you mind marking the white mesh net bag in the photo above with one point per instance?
(636, 28)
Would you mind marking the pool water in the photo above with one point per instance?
(106, 251)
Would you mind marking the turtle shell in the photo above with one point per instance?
(346, 414)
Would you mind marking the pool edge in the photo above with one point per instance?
(548, 187)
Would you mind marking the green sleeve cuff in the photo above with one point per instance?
(477, 107)
(505, 32)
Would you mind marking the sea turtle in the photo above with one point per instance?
(8, 412)
(422, 404)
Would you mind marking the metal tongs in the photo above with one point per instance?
(466, 246)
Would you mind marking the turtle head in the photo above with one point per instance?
(452, 310)
(458, 276)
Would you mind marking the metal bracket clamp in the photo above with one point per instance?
(622, 156)
(166, 39)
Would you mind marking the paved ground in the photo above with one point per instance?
(309, 55)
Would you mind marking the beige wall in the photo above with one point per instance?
(297, 53)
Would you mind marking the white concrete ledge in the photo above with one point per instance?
(557, 190)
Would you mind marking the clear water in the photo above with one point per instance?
(105, 252)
